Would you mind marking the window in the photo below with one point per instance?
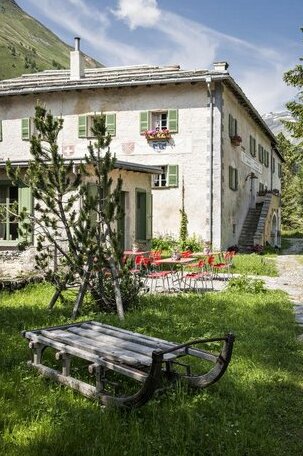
(260, 153)
(232, 126)
(0, 130)
(279, 170)
(252, 146)
(233, 178)
(150, 120)
(27, 128)
(12, 200)
(168, 177)
(85, 123)
(273, 165)
(266, 158)
(262, 188)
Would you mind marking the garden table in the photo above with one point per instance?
(176, 266)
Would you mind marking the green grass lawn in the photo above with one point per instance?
(254, 410)
(255, 264)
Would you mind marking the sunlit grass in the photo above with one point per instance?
(254, 410)
(255, 264)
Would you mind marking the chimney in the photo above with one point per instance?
(221, 67)
(76, 62)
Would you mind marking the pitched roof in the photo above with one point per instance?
(127, 76)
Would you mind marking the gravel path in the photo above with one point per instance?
(290, 277)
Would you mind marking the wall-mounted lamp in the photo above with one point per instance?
(251, 175)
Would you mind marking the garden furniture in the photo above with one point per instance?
(108, 350)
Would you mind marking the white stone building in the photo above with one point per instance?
(219, 152)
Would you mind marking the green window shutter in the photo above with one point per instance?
(173, 175)
(252, 146)
(230, 125)
(25, 201)
(149, 216)
(0, 130)
(110, 123)
(230, 177)
(82, 127)
(236, 179)
(235, 132)
(273, 166)
(25, 129)
(173, 120)
(144, 121)
(260, 153)
(141, 218)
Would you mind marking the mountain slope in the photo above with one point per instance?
(275, 122)
(27, 46)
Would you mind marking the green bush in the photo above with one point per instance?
(246, 285)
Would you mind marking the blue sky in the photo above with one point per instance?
(260, 39)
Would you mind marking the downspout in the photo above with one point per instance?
(211, 109)
(271, 163)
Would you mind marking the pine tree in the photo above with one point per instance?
(294, 78)
(292, 180)
(76, 212)
(291, 184)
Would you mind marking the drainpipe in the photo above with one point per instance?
(211, 110)
(271, 175)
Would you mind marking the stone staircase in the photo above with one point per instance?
(246, 239)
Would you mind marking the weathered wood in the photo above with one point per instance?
(102, 349)
(148, 341)
(134, 346)
(127, 353)
(83, 388)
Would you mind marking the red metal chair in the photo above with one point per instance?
(203, 276)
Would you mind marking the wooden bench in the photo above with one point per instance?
(147, 360)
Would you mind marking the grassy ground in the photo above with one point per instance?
(254, 410)
(255, 264)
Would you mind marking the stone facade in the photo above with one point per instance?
(201, 147)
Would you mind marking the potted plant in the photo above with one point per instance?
(236, 140)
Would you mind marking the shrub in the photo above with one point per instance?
(246, 285)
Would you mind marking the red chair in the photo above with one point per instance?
(186, 254)
(223, 266)
(155, 275)
(203, 275)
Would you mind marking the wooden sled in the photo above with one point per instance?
(147, 360)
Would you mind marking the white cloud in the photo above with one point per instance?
(138, 13)
(162, 37)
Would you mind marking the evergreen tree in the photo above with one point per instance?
(292, 179)
(294, 78)
(76, 213)
(291, 184)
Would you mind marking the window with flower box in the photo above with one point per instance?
(168, 178)
(159, 124)
(233, 178)
(86, 122)
(235, 139)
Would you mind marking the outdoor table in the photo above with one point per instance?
(173, 263)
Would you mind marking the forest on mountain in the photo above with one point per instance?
(26, 46)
